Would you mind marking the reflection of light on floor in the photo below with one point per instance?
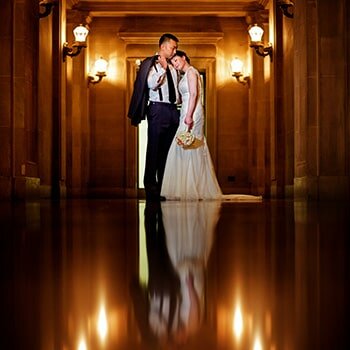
(142, 144)
(143, 261)
(238, 323)
(102, 326)
(257, 344)
(82, 344)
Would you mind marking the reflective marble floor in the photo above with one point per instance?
(123, 274)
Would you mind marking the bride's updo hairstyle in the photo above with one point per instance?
(182, 54)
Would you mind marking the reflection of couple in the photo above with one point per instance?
(179, 237)
(173, 169)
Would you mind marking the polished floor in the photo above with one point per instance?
(125, 274)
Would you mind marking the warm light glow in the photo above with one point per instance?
(255, 33)
(100, 66)
(238, 323)
(236, 65)
(82, 344)
(143, 261)
(257, 344)
(80, 33)
(102, 326)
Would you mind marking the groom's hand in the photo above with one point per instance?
(163, 61)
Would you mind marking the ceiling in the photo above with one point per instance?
(112, 8)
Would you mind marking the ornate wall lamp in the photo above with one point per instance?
(47, 6)
(100, 71)
(256, 32)
(80, 33)
(237, 68)
(287, 7)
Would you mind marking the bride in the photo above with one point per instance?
(189, 172)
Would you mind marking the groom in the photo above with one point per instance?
(155, 95)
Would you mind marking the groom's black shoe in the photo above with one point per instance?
(155, 198)
(153, 194)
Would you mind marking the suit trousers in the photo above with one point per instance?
(163, 121)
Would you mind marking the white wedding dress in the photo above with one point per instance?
(189, 173)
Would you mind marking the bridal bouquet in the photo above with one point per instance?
(185, 138)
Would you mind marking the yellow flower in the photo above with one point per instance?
(185, 138)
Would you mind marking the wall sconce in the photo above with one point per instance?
(236, 68)
(80, 33)
(256, 32)
(47, 5)
(100, 69)
(286, 6)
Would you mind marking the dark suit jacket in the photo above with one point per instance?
(139, 99)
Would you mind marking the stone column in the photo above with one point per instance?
(262, 117)
(6, 107)
(45, 103)
(321, 126)
(77, 114)
(21, 126)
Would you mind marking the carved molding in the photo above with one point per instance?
(186, 38)
(263, 3)
(172, 8)
(71, 3)
(77, 17)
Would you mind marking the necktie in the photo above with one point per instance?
(171, 87)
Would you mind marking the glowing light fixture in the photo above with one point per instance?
(47, 6)
(237, 68)
(100, 71)
(80, 33)
(287, 7)
(256, 32)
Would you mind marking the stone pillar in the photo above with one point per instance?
(45, 103)
(6, 106)
(23, 118)
(77, 115)
(283, 176)
(257, 127)
(261, 117)
(26, 101)
(321, 111)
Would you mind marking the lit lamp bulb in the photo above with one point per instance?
(236, 66)
(80, 33)
(101, 66)
(236, 69)
(100, 69)
(255, 33)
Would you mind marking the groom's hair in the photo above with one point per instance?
(167, 37)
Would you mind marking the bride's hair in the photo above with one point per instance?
(182, 54)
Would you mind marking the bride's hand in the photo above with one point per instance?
(189, 122)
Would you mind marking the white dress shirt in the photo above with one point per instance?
(157, 80)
